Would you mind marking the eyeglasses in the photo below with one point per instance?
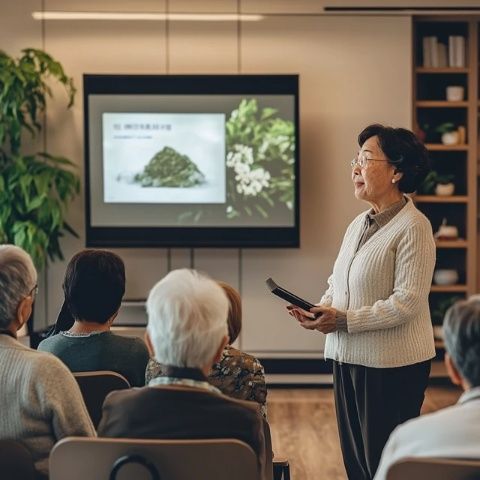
(361, 160)
(33, 292)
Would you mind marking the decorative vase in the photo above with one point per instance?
(450, 138)
(444, 189)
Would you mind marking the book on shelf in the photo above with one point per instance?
(438, 55)
(456, 51)
(442, 55)
(430, 52)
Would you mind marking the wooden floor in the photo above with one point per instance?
(304, 429)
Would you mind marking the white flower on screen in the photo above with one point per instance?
(240, 154)
(252, 182)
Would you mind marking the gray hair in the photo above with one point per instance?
(17, 277)
(187, 319)
(462, 338)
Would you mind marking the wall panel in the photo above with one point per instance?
(98, 47)
(347, 80)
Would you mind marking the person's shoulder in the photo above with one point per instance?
(239, 359)
(130, 342)
(413, 213)
(412, 219)
(426, 424)
(238, 407)
(126, 397)
(47, 366)
(49, 343)
(132, 347)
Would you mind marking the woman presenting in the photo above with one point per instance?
(375, 311)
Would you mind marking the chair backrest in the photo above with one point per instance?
(95, 386)
(78, 458)
(418, 468)
(16, 461)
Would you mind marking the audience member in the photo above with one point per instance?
(186, 333)
(237, 374)
(41, 401)
(94, 286)
(453, 432)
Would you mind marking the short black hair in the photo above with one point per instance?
(94, 285)
(403, 150)
(461, 328)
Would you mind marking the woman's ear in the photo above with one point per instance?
(397, 176)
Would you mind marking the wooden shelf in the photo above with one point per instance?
(440, 199)
(451, 243)
(462, 161)
(441, 69)
(440, 104)
(448, 288)
(446, 148)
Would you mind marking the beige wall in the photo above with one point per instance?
(353, 71)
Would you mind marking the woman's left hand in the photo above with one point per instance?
(326, 322)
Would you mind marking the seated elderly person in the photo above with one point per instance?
(186, 333)
(237, 374)
(94, 285)
(40, 399)
(453, 432)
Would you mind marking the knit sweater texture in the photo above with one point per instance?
(41, 401)
(101, 351)
(383, 288)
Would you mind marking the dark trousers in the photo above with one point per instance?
(370, 403)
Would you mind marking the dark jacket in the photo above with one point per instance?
(179, 412)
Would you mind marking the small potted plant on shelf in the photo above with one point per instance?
(438, 184)
(449, 133)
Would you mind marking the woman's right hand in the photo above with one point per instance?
(299, 313)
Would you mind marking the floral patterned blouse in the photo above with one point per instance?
(238, 375)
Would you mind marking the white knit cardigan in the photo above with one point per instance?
(383, 288)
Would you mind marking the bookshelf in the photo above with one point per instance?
(456, 63)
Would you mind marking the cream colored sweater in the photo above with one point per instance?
(383, 288)
(40, 400)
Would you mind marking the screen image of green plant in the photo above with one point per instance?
(35, 188)
(260, 160)
(169, 168)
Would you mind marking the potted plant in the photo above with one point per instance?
(35, 187)
(435, 183)
(449, 133)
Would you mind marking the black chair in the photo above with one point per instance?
(16, 461)
(95, 386)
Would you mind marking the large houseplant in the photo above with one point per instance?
(35, 188)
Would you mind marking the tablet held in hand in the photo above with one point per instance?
(288, 296)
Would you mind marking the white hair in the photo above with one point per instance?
(187, 319)
(17, 277)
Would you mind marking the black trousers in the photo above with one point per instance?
(370, 403)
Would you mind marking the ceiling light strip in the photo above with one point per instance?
(188, 17)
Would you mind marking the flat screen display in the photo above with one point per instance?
(191, 160)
